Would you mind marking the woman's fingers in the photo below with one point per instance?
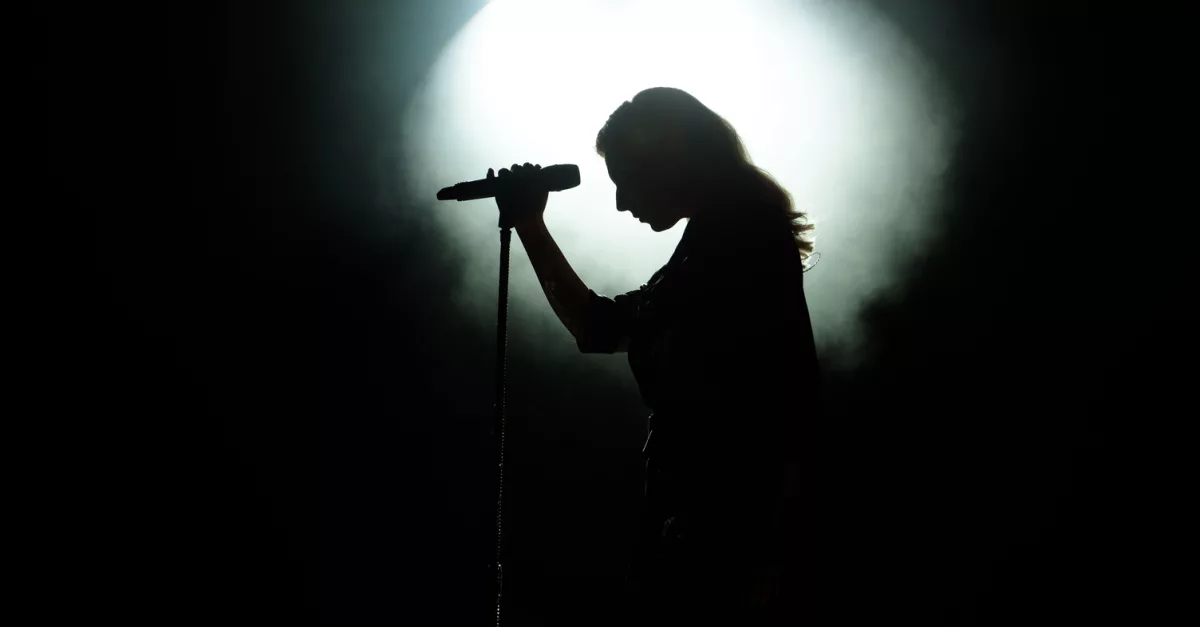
(517, 168)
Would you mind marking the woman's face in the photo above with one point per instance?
(646, 192)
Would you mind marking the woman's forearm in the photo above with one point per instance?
(567, 294)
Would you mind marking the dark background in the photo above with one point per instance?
(287, 417)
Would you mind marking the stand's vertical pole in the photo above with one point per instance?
(498, 423)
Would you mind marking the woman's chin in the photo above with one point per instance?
(659, 226)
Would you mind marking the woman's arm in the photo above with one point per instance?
(567, 294)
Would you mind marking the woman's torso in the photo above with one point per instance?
(767, 297)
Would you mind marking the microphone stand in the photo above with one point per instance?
(498, 422)
(553, 178)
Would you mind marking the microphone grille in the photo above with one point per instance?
(560, 177)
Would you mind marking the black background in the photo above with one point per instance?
(290, 416)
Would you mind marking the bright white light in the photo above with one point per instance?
(828, 98)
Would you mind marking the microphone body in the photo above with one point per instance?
(552, 178)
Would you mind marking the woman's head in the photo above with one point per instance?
(672, 157)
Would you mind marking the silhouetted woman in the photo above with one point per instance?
(720, 342)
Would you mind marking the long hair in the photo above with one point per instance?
(675, 126)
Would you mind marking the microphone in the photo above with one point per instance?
(552, 178)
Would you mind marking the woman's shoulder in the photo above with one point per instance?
(752, 226)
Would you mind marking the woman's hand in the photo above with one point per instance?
(518, 203)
